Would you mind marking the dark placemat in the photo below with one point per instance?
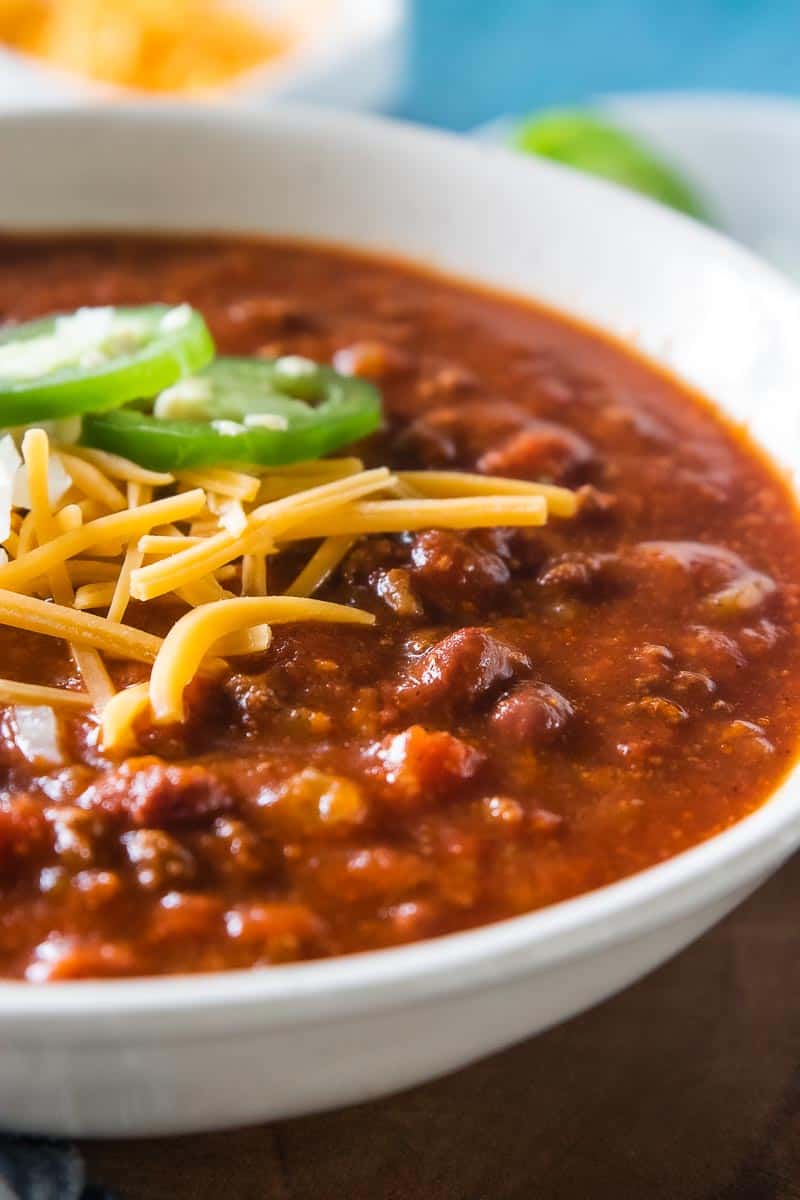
(685, 1087)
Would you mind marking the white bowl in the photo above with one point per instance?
(179, 1054)
(348, 53)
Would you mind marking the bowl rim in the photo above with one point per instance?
(722, 867)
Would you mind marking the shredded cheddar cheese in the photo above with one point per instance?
(90, 480)
(561, 502)
(78, 556)
(90, 570)
(121, 468)
(36, 456)
(398, 516)
(96, 534)
(94, 595)
(55, 620)
(254, 575)
(321, 566)
(138, 494)
(245, 641)
(96, 678)
(34, 694)
(192, 637)
(264, 525)
(234, 484)
(120, 714)
(68, 517)
(11, 545)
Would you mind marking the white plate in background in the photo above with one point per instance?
(349, 53)
(742, 153)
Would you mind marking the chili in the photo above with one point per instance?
(536, 713)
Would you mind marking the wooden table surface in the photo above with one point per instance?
(685, 1087)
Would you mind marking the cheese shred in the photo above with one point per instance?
(321, 566)
(56, 620)
(561, 502)
(188, 642)
(400, 516)
(119, 716)
(33, 694)
(121, 468)
(138, 494)
(254, 575)
(91, 480)
(36, 456)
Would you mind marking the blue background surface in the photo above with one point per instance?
(476, 59)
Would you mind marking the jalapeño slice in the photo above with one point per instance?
(243, 410)
(97, 359)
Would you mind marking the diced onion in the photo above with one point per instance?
(227, 428)
(177, 318)
(187, 400)
(58, 484)
(10, 462)
(266, 421)
(87, 336)
(37, 734)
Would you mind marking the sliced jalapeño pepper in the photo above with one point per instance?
(97, 359)
(242, 410)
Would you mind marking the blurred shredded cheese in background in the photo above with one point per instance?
(184, 46)
(85, 534)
